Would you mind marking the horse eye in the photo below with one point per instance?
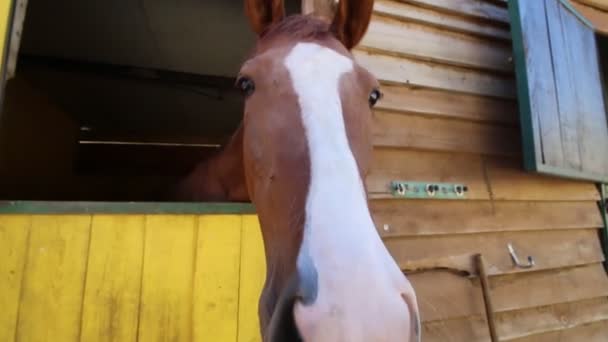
(374, 97)
(245, 85)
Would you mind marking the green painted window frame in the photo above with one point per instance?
(530, 157)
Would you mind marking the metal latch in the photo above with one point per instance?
(428, 190)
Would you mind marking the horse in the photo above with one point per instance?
(300, 155)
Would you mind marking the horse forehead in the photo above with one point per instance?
(314, 62)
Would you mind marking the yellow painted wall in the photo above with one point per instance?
(130, 277)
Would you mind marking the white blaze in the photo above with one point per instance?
(359, 284)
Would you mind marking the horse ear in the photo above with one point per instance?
(351, 21)
(263, 13)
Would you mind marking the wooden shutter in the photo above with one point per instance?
(562, 110)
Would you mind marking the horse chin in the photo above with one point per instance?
(282, 327)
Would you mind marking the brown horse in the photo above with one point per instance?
(301, 156)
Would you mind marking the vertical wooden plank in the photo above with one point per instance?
(216, 278)
(253, 275)
(13, 246)
(166, 298)
(592, 121)
(6, 8)
(53, 284)
(536, 87)
(565, 61)
(113, 284)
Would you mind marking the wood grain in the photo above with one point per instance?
(253, 276)
(544, 110)
(519, 323)
(397, 130)
(443, 295)
(523, 323)
(476, 9)
(550, 250)
(564, 57)
(591, 122)
(53, 283)
(113, 283)
(509, 182)
(216, 278)
(444, 104)
(599, 4)
(409, 12)
(405, 218)
(487, 177)
(166, 298)
(14, 232)
(420, 41)
(597, 17)
(593, 332)
(407, 71)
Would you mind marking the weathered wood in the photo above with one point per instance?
(522, 323)
(443, 295)
(487, 296)
(113, 282)
(422, 218)
(216, 278)
(599, 4)
(397, 130)
(507, 181)
(497, 178)
(560, 36)
(53, 283)
(537, 93)
(422, 42)
(409, 12)
(598, 17)
(591, 122)
(550, 250)
(519, 323)
(593, 332)
(14, 231)
(422, 166)
(561, 100)
(476, 9)
(413, 72)
(428, 217)
(437, 103)
(253, 275)
(167, 279)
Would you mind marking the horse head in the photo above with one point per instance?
(306, 149)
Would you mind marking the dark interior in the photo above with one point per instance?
(116, 100)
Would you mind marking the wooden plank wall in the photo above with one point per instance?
(151, 278)
(450, 115)
(596, 11)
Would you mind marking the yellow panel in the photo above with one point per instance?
(13, 246)
(5, 11)
(54, 279)
(111, 297)
(166, 300)
(253, 274)
(216, 282)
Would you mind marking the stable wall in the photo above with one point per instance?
(450, 115)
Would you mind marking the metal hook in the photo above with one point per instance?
(516, 259)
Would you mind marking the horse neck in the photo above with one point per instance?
(219, 178)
